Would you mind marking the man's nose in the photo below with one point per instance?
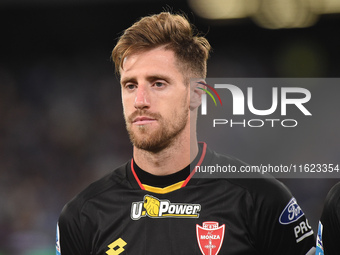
(142, 99)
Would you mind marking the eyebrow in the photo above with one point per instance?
(150, 78)
(127, 79)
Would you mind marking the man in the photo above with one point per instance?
(152, 205)
(329, 225)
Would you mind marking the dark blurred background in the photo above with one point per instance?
(61, 122)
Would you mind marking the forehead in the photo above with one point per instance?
(158, 60)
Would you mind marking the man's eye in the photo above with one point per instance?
(130, 86)
(159, 84)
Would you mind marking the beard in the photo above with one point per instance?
(145, 138)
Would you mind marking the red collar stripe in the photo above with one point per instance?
(204, 150)
(136, 177)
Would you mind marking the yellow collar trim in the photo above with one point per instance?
(164, 190)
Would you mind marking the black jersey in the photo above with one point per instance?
(329, 225)
(120, 215)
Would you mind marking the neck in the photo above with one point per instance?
(179, 154)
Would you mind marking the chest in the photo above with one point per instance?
(205, 220)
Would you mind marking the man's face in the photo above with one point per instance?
(155, 99)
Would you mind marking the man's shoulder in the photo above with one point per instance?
(334, 193)
(264, 188)
(115, 179)
(332, 201)
(258, 185)
(225, 159)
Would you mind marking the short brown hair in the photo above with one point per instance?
(171, 30)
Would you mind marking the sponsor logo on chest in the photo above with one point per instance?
(163, 208)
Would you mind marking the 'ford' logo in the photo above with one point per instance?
(291, 213)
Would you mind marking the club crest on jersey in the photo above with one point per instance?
(163, 208)
(210, 237)
(291, 213)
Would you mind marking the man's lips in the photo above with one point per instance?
(143, 120)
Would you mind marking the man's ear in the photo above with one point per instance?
(196, 92)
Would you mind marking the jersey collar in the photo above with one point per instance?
(136, 183)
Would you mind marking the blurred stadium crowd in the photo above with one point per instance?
(58, 131)
(61, 122)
